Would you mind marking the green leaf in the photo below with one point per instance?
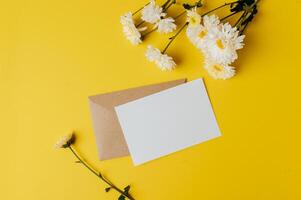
(107, 189)
(186, 6)
(121, 197)
(197, 4)
(127, 189)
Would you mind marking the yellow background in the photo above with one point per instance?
(55, 53)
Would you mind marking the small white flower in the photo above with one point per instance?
(193, 17)
(193, 34)
(65, 141)
(166, 25)
(163, 61)
(152, 12)
(211, 21)
(219, 71)
(152, 53)
(222, 44)
(129, 29)
(197, 34)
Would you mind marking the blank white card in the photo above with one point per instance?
(168, 121)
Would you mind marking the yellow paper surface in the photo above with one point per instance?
(54, 54)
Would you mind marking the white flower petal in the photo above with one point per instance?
(219, 71)
(152, 53)
(210, 21)
(166, 25)
(129, 29)
(63, 142)
(222, 43)
(163, 61)
(193, 17)
(198, 34)
(152, 13)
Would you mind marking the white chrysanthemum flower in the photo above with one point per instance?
(152, 12)
(163, 61)
(129, 29)
(219, 71)
(193, 18)
(152, 54)
(65, 141)
(223, 43)
(166, 25)
(198, 34)
(193, 34)
(211, 21)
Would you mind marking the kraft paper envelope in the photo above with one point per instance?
(109, 137)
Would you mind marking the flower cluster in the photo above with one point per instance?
(216, 39)
(152, 14)
(218, 42)
(155, 17)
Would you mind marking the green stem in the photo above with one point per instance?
(134, 13)
(174, 37)
(149, 32)
(99, 175)
(244, 28)
(168, 6)
(179, 15)
(140, 24)
(239, 20)
(165, 4)
(247, 13)
(182, 13)
(234, 13)
(219, 7)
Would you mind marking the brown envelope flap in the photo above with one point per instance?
(109, 137)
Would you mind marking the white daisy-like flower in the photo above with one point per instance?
(219, 71)
(152, 13)
(222, 44)
(65, 141)
(211, 21)
(193, 18)
(166, 25)
(193, 34)
(129, 29)
(163, 61)
(198, 34)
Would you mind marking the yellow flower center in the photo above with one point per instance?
(218, 68)
(202, 34)
(193, 21)
(220, 44)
